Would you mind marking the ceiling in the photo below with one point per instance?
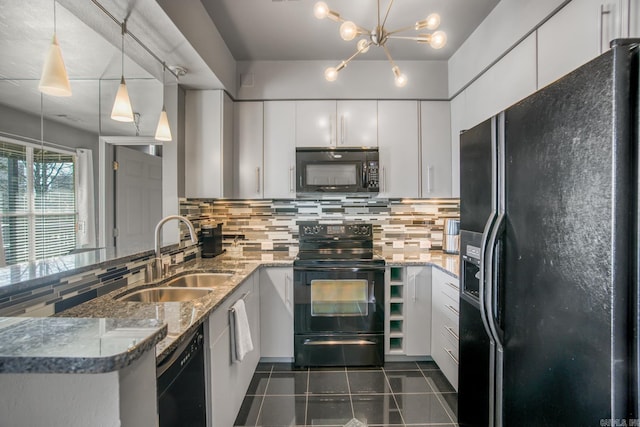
(270, 30)
(279, 30)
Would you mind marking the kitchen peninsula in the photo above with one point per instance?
(248, 275)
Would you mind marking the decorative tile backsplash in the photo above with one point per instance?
(256, 225)
(264, 224)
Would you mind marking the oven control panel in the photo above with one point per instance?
(343, 231)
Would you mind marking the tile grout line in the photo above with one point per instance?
(346, 373)
(438, 396)
(306, 397)
(264, 395)
(386, 378)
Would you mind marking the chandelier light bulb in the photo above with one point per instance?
(331, 74)
(433, 21)
(438, 40)
(363, 45)
(401, 79)
(348, 30)
(321, 10)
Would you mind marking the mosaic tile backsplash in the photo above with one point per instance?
(399, 225)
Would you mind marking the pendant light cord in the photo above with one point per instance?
(124, 30)
(54, 17)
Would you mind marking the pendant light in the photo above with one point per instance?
(122, 110)
(54, 79)
(163, 131)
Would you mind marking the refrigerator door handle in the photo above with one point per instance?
(491, 281)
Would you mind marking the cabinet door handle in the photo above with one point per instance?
(332, 134)
(287, 281)
(258, 180)
(429, 179)
(342, 129)
(450, 353)
(452, 286)
(603, 12)
(384, 179)
(412, 279)
(456, 312)
(292, 179)
(452, 332)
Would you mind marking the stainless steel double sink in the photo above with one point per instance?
(182, 288)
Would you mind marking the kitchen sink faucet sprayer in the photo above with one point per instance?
(192, 235)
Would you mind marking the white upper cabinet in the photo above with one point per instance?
(435, 126)
(248, 176)
(576, 34)
(398, 143)
(357, 124)
(208, 144)
(315, 123)
(336, 124)
(279, 149)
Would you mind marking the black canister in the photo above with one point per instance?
(211, 238)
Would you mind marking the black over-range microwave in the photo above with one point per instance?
(337, 170)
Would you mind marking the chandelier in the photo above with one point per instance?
(379, 36)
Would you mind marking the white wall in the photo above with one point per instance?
(273, 80)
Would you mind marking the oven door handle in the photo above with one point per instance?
(355, 268)
(338, 342)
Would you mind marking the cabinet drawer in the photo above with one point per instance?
(450, 338)
(451, 289)
(447, 361)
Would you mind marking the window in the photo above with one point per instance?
(37, 202)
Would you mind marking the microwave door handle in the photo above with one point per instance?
(364, 175)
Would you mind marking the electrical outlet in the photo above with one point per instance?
(179, 258)
(166, 260)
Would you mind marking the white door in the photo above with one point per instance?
(418, 311)
(248, 180)
(279, 149)
(276, 313)
(398, 144)
(137, 198)
(315, 123)
(436, 148)
(357, 123)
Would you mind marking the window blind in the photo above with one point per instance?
(37, 202)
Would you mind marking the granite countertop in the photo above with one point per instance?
(182, 318)
(105, 334)
(59, 345)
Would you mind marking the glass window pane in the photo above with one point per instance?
(15, 238)
(54, 182)
(55, 235)
(13, 178)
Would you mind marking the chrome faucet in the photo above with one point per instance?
(192, 235)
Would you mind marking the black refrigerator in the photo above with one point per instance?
(549, 248)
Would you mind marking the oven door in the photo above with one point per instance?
(339, 316)
(338, 300)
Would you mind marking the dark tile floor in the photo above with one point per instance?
(398, 394)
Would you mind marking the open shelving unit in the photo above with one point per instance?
(395, 308)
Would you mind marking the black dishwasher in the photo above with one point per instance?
(181, 384)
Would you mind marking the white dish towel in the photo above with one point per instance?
(240, 332)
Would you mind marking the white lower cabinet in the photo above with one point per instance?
(229, 379)
(276, 313)
(418, 311)
(408, 308)
(444, 323)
